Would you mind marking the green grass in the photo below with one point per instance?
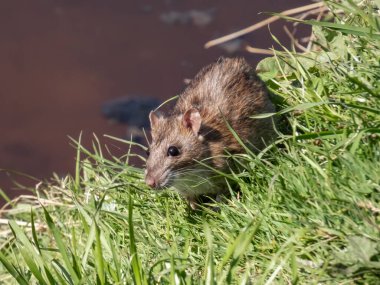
(309, 209)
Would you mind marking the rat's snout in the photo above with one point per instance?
(150, 181)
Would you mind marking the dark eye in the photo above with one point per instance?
(173, 151)
(147, 152)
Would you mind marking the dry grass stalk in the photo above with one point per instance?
(259, 50)
(262, 24)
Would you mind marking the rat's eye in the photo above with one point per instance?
(147, 152)
(173, 151)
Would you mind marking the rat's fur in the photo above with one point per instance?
(226, 91)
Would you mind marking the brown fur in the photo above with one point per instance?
(226, 91)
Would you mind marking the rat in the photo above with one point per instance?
(192, 140)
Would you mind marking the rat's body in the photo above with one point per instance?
(196, 130)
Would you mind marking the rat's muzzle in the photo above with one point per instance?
(156, 179)
(151, 181)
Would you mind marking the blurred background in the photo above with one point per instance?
(66, 66)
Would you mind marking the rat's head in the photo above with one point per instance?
(175, 147)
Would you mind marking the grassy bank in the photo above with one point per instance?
(309, 209)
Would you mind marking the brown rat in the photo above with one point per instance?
(196, 130)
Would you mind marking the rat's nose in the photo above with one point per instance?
(150, 181)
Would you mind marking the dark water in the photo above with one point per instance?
(62, 60)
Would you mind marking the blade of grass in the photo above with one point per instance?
(99, 259)
(77, 165)
(61, 246)
(138, 275)
(12, 270)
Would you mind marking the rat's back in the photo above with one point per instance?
(230, 91)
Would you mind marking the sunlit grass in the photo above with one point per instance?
(308, 211)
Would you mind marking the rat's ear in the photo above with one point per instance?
(153, 118)
(192, 119)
